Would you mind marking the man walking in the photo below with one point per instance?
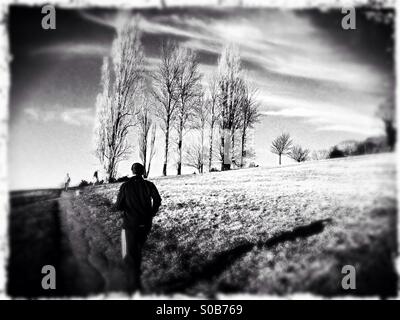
(140, 200)
(66, 182)
(96, 177)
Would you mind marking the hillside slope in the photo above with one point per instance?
(271, 231)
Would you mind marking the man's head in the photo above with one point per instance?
(137, 169)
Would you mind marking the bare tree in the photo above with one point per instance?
(320, 154)
(116, 108)
(103, 122)
(188, 91)
(249, 117)
(281, 145)
(214, 113)
(387, 113)
(147, 132)
(349, 147)
(299, 154)
(165, 91)
(231, 87)
(201, 110)
(194, 156)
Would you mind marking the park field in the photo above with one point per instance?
(277, 230)
(264, 231)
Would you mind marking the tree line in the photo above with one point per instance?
(176, 98)
(283, 144)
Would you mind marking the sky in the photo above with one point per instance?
(316, 81)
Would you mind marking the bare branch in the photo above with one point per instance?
(299, 154)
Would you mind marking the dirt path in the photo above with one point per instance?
(88, 267)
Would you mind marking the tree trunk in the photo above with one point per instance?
(242, 155)
(144, 159)
(226, 163)
(164, 169)
(179, 168)
(111, 171)
(390, 135)
(166, 150)
(211, 147)
(148, 170)
(279, 159)
(179, 165)
(223, 152)
(144, 153)
(202, 149)
(233, 160)
(151, 153)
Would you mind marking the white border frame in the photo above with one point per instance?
(5, 59)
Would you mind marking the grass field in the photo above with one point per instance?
(260, 231)
(236, 231)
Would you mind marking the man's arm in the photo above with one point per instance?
(156, 198)
(120, 203)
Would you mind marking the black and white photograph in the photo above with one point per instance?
(201, 151)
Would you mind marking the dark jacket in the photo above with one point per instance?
(140, 200)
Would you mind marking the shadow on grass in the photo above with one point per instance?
(223, 260)
(374, 261)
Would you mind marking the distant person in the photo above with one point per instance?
(96, 177)
(67, 181)
(140, 201)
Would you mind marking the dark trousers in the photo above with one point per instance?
(135, 239)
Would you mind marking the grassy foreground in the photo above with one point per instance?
(260, 231)
(266, 231)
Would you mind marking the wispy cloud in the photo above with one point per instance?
(73, 49)
(298, 70)
(324, 116)
(286, 44)
(70, 116)
(113, 19)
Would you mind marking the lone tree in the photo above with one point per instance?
(281, 145)
(116, 106)
(387, 113)
(189, 89)
(297, 153)
(165, 91)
